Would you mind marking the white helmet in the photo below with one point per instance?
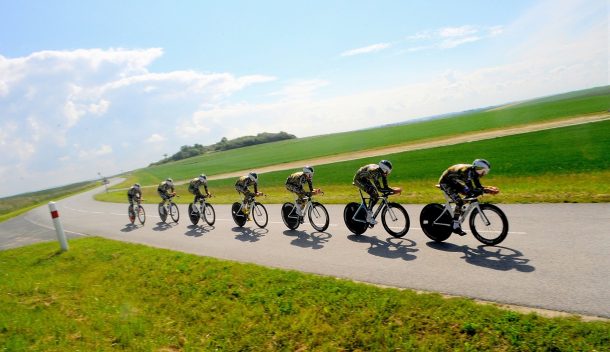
(253, 176)
(481, 166)
(203, 178)
(136, 185)
(386, 166)
(308, 170)
(169, 181)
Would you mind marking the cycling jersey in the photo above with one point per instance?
(164, 190)
(296, 182)
(371, 173)
(461, 178)
(242, 184)
(132, 193)
(194, 185)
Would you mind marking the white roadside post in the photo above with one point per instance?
(61, 235)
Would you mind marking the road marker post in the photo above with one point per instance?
(61, 235)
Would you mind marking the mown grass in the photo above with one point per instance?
(19, 204)
(562, 106)
(568, 164)
(86, 299)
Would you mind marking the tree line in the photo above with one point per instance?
(187, 151)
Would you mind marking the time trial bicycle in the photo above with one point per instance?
(169, 207)
(316, 213)
(136, 210)
(202, 210)
(394, 217)
(241, 212)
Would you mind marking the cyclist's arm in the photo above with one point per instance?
(310, 184)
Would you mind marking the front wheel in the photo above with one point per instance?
(490, 225)
(359, 225)
(141, 214)
(395, 220)
(289, 216)
(174, 212)
(209, 215)
(318, 216)
(238, 216)
(259, 214)
(435, 222)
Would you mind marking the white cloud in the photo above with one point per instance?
(463, 31)
(367, 49)
(452, 37)
(93, 153)
(155, 138)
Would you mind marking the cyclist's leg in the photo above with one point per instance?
(453, 193)
(368, 187)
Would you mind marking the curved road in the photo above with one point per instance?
(556, 256)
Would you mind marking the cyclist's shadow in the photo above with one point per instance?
(246, 234)
(314, 240)
(130, 227)
(497, 257)
(162, 226)
(393, 248)
(197, 231)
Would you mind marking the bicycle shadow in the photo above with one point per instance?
(500, 258)
(162, 226)
(198, 231)
(246, 234)
(392, 248)
(314, 240)
(130, 227)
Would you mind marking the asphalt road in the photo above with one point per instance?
(556, 256)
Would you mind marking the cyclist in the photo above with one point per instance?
(194, 187)
(166, 190)
(241, 186)
(367, 179)
(295, 183)
(134, 192)
(464, 179)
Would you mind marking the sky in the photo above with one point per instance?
(96, 88)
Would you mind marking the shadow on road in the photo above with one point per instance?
(246, 234)
(162, 226)
(492, 257)
(312, 240)
(393, 248)
(130, 227)
(197, 231)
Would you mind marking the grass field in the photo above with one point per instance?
(15, 205)
(568, 164)
(551, 108)
(86, 300)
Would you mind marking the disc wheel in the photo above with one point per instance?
(436, 227)
(359, 225)
(131, 214)
(162, 212)
(193, 214)
(238, 216)
(289, 216)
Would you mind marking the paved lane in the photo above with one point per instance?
(555, 257)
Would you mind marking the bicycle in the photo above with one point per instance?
(488, 223)
(140, 213)
(316, 212)
(393, 215)
(167, 206)
(240, 212)
(203, 211)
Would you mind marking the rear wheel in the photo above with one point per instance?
(359, 225)
(174, 212)
(436, 227)
(318, 216)
(238, 216)
(141, 214)
(259, 214)
(194, 214)
(131, 214)
(395, 220)
(209, 214)
(490, 225)
(289, 216)
(162, 212)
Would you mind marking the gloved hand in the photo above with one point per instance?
(475, 192)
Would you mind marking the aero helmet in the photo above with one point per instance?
(137, 185)
(481, 166)
(386, 166)
(203, 178)
(169, 181)
(253, 176)
(308, 170)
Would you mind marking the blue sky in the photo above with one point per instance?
(111, 86)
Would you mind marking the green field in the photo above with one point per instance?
(568, 164)
(86, 300)
(568, 105)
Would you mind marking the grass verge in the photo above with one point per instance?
(85, 299)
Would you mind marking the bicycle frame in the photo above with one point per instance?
(293, 213)
(473, 203)
(363, 207)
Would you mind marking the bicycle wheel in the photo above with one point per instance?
(395, 220)
(259, 214)
(490, 226)
(209, 214)
(194, 213)
(238, 216)
(141, 214)
(162, 212)
(131, 214)
(174, 212)
(318, 216)
(359, 225)
(289, 216)
(436, 227)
